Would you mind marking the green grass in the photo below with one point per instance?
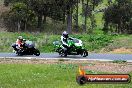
(120, 41)
(45, 76)
(119, 61)
(44, 42)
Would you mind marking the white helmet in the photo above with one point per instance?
(20, 37)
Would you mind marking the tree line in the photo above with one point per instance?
(26, 14)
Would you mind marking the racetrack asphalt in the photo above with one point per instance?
(92, 56)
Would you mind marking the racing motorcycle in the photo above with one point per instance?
(75, 48)
(28, 48)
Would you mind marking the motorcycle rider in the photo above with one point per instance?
(24, 43)
(64, 40)
(18, 43)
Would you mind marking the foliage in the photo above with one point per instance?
(119, 16)
(18, 14)
(95, 3)
(88, 6)
(55, 9)
(58, 10)
(99, 41)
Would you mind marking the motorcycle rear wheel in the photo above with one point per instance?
(19, 53)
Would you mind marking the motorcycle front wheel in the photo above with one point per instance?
(36, 52)
(84, 53)
(19, 53)
(62, 53)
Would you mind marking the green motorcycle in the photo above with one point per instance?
(75, 48)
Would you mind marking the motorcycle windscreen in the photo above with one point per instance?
(75, 40)
(57, 43)
(30, 44)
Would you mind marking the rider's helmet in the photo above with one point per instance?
(65, 34)
(20, 38)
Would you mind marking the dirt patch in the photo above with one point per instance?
(121, 50)
(111, 67)
(89, 65)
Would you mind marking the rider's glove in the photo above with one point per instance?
(69, 46)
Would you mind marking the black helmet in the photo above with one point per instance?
(65, 34)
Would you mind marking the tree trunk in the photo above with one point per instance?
(83, 26)
(19, 26)
(39, 22)
(64, 13)
(94, 4)
(25, 25)
(85, 22)
(76, 21)
(93, 22)
(69, 22)
(105, 29)
(119, 28)
(69, 19)
(44, 20)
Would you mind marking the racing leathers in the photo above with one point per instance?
(17, 44)
(65, 42)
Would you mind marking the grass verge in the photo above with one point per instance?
(44, 42)
(45, 76)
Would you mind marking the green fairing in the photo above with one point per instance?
(75, 48)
